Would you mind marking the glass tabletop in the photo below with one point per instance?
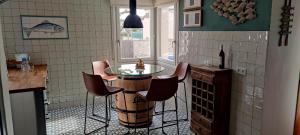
(130, 70)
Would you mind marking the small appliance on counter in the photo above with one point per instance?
(20, 57)
(21, 61)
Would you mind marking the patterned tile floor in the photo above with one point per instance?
(70, 121)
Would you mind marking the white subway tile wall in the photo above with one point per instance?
(242, 49)
(90, 39)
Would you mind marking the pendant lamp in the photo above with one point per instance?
(132, 20)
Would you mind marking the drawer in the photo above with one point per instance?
(196, 117)
(203, 77)
(199, 129)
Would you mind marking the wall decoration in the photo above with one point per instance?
(211, 21)
(44, 27)
(192, 18)
(237, 11)
(192, 4)
(2, 1)
(285, 23)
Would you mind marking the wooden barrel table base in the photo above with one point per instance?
(131, 86)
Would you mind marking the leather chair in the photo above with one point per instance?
(96, 86)
(181, 71)
(161, 90)
(99, 69)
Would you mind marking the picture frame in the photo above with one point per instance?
(193, 18)
(192, 4)
(44, 27)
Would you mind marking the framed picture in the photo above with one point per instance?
(44, 27)
(192, 19)
(192, 4)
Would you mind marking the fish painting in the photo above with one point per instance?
(45, 27)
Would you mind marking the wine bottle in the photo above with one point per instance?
(222, 58)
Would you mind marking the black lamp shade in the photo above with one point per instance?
(132, 20)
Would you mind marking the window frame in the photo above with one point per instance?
(151, 59)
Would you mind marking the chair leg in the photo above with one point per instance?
(126, 113)
(106, 116)
(111, 97)
(85, 112)
(93, 107)
(155, 107)
(186, 103)
(110, 107)
(148, 119)
(162, 118)
(176, 109)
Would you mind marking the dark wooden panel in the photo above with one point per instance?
(40, 112)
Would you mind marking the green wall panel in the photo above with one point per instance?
(211, 21)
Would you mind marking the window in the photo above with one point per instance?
(167, 33)
(135, 43)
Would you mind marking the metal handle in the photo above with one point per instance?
(119, 43)
(173, 43)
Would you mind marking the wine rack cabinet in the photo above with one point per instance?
(211, 90)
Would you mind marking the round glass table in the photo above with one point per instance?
(133, 80)
(129, 70)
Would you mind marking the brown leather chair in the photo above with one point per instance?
(99, 69)
(96, 86)
(181, 71)
(161, 90)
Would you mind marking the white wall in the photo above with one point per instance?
(244, 49)
(6, 97)
(90, 40)
(282, 75)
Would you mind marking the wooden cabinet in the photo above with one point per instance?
(211, 91)
(27, 100)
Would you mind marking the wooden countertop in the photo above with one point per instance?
(209, 68)
(19, 81)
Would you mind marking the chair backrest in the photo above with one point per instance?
(95, 84)
(181, 71)
(99, 67)
(162, 89)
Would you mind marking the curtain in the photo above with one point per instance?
(126, 2)
(162, 2)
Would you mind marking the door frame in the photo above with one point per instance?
(297, 115)
(5, 105)
(176, 36)
(2, 111)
